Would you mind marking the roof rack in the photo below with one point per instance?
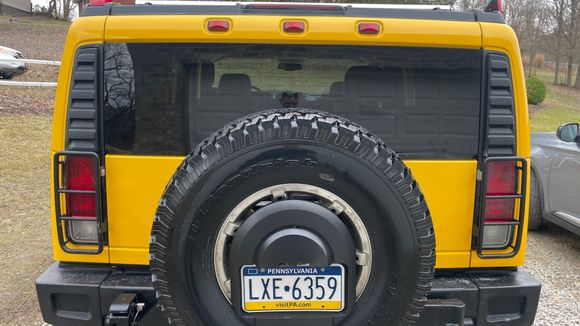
(291, 4)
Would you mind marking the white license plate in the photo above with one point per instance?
(293, 288)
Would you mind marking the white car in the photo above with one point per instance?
(10, 66)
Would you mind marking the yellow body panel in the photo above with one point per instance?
(500, 37)
(84, 31)
(134, 184)
(266, 29)
(88, 30)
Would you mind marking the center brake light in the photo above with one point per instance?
(77, 191)
(98, 2)
(502, 206)
(291, 6)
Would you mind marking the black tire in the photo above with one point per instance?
(6, 76)
(372, 179)
(535, 219)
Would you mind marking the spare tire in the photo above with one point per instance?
(311, 181)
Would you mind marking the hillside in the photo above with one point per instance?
(36, 38)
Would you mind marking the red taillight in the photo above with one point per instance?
(218, 25)
(501, 181)
(369, 28)
(501, 178)
(503, 203)
(99, 2)
(294, 27)
(497, 210)
(80, 180)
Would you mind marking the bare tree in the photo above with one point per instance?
(67, 6)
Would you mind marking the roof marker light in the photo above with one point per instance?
(294, 27)
(369, 28)
(218, 25)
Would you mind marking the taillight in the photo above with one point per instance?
(502, 205)
(294, 26)
(80, 178)
(77, 200)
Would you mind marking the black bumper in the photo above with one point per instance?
(73, 295)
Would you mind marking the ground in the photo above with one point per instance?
(553, 254)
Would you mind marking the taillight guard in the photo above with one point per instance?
(503, 186)
(77, 199)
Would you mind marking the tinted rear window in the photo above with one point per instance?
(163, 99)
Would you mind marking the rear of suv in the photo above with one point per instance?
(289, 164)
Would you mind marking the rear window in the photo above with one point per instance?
(163, 99)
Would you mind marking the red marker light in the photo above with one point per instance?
(369, 28)
(294, 27)
(218, 25)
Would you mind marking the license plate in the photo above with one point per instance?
(293, 288)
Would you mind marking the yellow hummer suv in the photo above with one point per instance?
(222, 163)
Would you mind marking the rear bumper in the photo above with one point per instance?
(75, 295)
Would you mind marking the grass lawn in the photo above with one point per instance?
(562, 104)
(25, 245)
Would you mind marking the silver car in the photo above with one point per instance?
(10, 64)
(555, 181)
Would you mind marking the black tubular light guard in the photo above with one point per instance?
(60, 188)
(520, 193)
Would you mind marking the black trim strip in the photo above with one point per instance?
(239, 9)
(501, 121)
(84, 99)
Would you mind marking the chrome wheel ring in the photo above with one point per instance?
(271, 194)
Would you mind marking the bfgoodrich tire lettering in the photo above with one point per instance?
(297, 146)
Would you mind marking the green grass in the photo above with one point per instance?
(24, 214)
(562, 105)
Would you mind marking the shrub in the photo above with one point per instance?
(536, 90)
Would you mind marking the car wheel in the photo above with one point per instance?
(343, 195)
(535, 214)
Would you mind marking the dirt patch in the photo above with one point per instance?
(26, 100)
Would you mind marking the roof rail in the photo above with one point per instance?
(305, 4)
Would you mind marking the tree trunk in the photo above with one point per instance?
(66, 9)
(577, 82)
(557, 72)
(569, 76)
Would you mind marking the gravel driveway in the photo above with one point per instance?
(553, 257)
